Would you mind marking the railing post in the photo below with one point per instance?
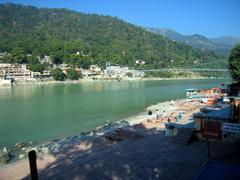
(33, 164)
(208, 148)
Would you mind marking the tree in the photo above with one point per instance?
(57, 57)
(36, 67)
(19, 55)
(234, 63)
(6, 59)
(85, 62)
(72, 74)
(32, 60)
(58, 74)
(34, 64)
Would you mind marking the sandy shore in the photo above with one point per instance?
(20, 169)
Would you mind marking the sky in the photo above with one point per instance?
(212, 18)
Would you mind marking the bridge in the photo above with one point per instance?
(185, 69)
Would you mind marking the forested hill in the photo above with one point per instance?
(61, 33)
(221, 45)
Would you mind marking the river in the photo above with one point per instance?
(40, 113)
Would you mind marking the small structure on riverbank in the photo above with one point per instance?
(216, 121)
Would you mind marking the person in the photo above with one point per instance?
(149, 116)
(170, 118)
(163, 113)
(157, 114)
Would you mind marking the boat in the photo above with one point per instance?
(191, 93)
(195, 94)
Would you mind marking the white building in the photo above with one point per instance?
(116, 71)
(137, 73)
(86, 73)
(95, 69)
(17, 72)
(140, 62)
(45, 59)
(38, 75)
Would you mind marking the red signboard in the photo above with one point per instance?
(212, 129)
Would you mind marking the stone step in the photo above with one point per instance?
(183, 136)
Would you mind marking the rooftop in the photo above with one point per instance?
(215, 113)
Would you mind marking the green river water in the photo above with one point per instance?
(40, 113)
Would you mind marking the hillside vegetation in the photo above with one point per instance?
(61, 33)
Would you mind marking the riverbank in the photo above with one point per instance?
(48, 152)
(89, 80)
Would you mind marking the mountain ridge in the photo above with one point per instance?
(99, 38)
(221, 45)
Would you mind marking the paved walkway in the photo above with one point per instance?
(153, 156)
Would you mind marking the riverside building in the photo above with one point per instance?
(17, 72)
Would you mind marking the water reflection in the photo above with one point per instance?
(30, 91)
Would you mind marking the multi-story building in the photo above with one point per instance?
(38, 75)
(17, 72)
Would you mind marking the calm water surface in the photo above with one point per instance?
(44, 112)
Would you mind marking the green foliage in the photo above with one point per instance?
(32, 60)
(61, 33)
(72, 74)
(85, 62)
(6, 59)
(57, 57)
(19, 55)
(58, 74)
(234, 63)
(214, 74)
(79, 60)
(36, 67)
(34, 64)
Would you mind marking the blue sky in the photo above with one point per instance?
(211, 18)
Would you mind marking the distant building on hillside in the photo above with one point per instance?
(38, 75)
(140, 62)
(137, 73)
(86, 73)
(95, 69)
(116, 71)
(64, 67)
(45, 59)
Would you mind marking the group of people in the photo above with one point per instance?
(154, 116)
